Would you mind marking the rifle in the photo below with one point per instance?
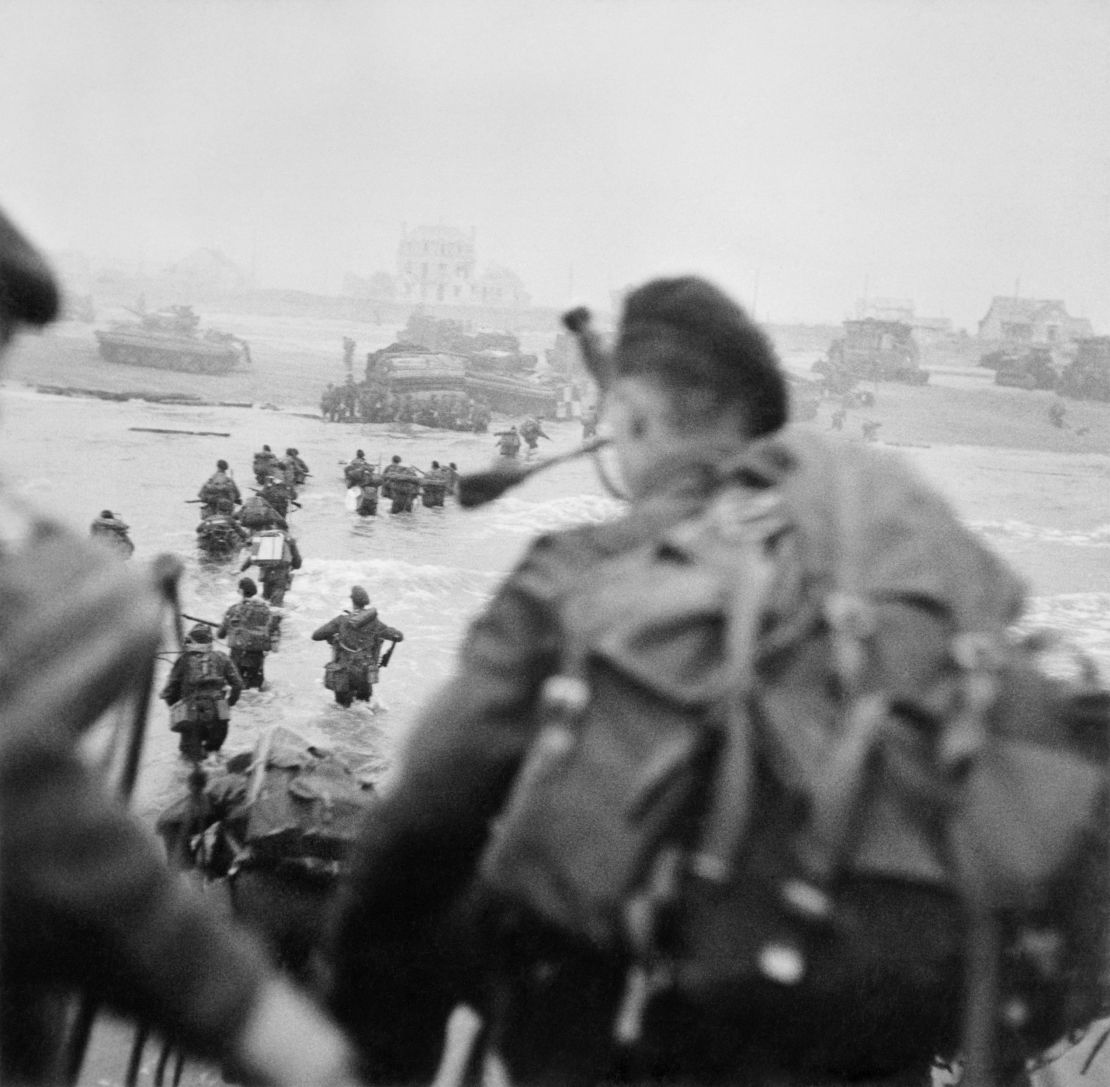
(387, 656)
(478, 488)
(194, 619)
(291, 501)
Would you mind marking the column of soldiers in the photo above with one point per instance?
(374, 403)
(400, 484)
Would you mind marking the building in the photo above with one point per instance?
(1031, 320)
(435, 264)
(885, 309)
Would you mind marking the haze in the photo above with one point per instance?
(801, 154)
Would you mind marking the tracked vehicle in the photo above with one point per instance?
(170, 339)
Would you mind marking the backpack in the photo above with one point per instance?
(271, 548)
(304, 807)
(799, 782)
(249, 626)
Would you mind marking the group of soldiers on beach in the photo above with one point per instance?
(373, 402)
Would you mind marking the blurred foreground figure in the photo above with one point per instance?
(723, 791)
(88, 905)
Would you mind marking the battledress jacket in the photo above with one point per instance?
(400, 962)
(87, 900)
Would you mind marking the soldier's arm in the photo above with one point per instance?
(328, 631)
(390, 634)
(222, 629)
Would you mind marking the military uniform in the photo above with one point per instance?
(356, 638)
(207, 685)
(113, 532)
(217, 486)
(277, 577)
(220, 535)
(248, 627)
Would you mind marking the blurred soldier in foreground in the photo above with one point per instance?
(202, 688)
(109, 529)
(88, 905)
(639, 725)
(356, 639)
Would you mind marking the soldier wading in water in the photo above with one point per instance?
(356, 639)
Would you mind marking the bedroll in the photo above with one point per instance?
(303, 805)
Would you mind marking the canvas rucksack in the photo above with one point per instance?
(249, 627)
(799, 780)
(303, 808)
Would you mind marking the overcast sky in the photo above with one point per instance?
(798, 153)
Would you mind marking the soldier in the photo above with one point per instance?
(300, 468)
(400, 484)
(79, 873)
(249, 627)
(220, 534)
(452, 472)
(216, 486)
(356, 639)
(360, 473)
(275, 553)
(277, 494)
(583, 656)
(110, 530)
(433, 488)
(329, 402)
(263, 464)
(348, 398)
(508, 442)
(202, 688)
(531, 430)
(589, 423)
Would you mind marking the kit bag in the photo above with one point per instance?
(799, 780)
(250, 627)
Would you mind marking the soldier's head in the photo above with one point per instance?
(221, 465)
(435, 464)
(247, 587)
(199, 637)
(395, 459)
(28, 292)
(106, 515)
(689, 368)
(359, 454)
(359, 596)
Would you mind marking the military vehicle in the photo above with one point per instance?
(873, 350)
(170, 339)
(1087, 376)
(1028, 368)
(486, 350)
(405, 368)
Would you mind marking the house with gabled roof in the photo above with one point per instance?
(1031, 320)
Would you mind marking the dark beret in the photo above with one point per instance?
(27, 288)
(687, 332)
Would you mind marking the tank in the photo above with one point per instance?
(170, 339)
(876, 350)
(1031, 368)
